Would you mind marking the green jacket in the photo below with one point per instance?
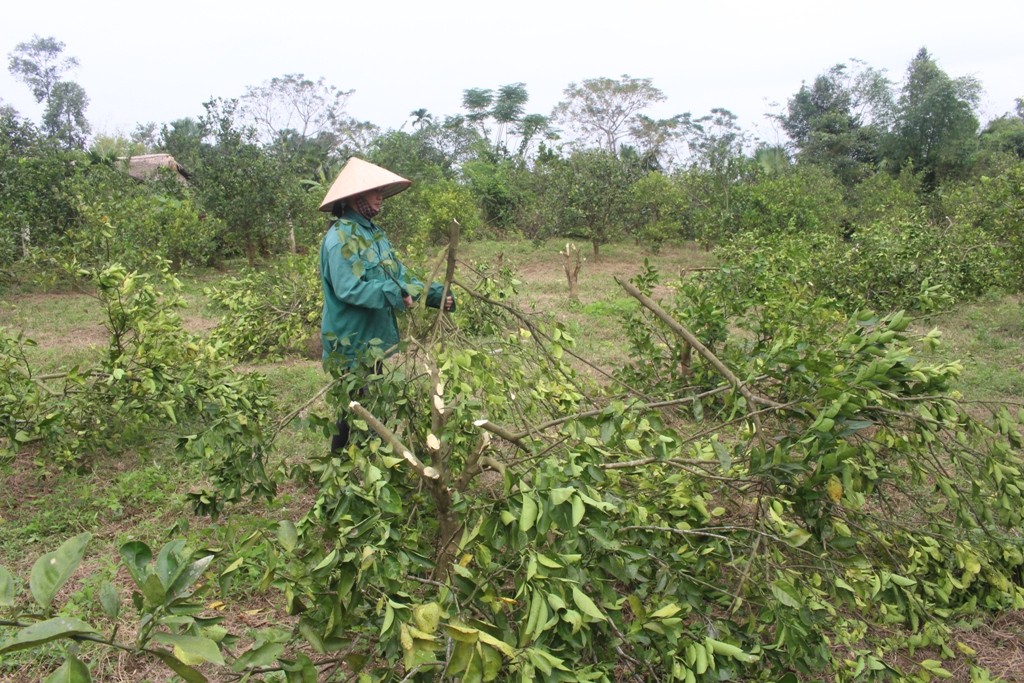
(363, 283)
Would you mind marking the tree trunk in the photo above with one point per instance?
(448, 528)
(250, 253)
(572, 264)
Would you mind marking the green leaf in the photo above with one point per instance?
(461, 656)
(560, 495)
(586, 605)
(787, 594)
(45, 631)
(312, 636)
(192, 650)
(722, 453)
(264, 655)
(796, 536)
(187, 673)
(189, 576)
(491, 661)
(52, 570)
(287, 535)
(154, 591)
(499, 645)
(548, 562)
(136, 556)
(578, 510)
(110, 600)
(427, 616)
(170, 561)
(462, 633)
(669, 610)
(71, 671)
(6, 588)
(902, 580)
(528, 515)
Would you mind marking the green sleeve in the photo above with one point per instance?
(435, 293)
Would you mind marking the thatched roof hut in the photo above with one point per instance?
(147, 166)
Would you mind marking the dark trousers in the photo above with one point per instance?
(339, 440)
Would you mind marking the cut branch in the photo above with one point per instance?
(705, 352)
(516, 438)
(389, 437)
(538, 335)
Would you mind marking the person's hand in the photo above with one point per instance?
(449, 303)
(407, 300)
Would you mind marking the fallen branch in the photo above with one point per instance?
(376, 425)
(516, 438)
(705, 352)
(538, 335)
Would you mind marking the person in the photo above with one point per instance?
(364, 284)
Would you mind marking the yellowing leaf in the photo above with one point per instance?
(834, 488)
(427, 616)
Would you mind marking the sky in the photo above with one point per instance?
(145, 62)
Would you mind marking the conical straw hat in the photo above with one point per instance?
(359, 176)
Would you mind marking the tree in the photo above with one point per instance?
(936, 127)
(586, 196)
(503, 113)
(839, 120)
(717, 161)
(112, 147)
(146, 135)
(1003, 136)
(529, 128)
(602, 110)
(64, 119)
(656, 139)
(660, 206)
(421, 117)
(294, 102)
(241, 184)
(35, 207)
(771, 159)
(38, 64)
(182, 139)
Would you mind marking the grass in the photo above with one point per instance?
(142, 496)
(987, 336)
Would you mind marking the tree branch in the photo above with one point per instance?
(704, 351)
(389, 436)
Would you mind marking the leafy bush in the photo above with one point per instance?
(807, 498)
(272, 312)
(884, 265)
(498, 188)
(423, 214)
(659, 203)
(884, 197)
(36, 207)
(153, 373)
(801, 200)
(137, 225)
(994, 206)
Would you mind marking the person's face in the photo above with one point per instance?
(374, 198)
